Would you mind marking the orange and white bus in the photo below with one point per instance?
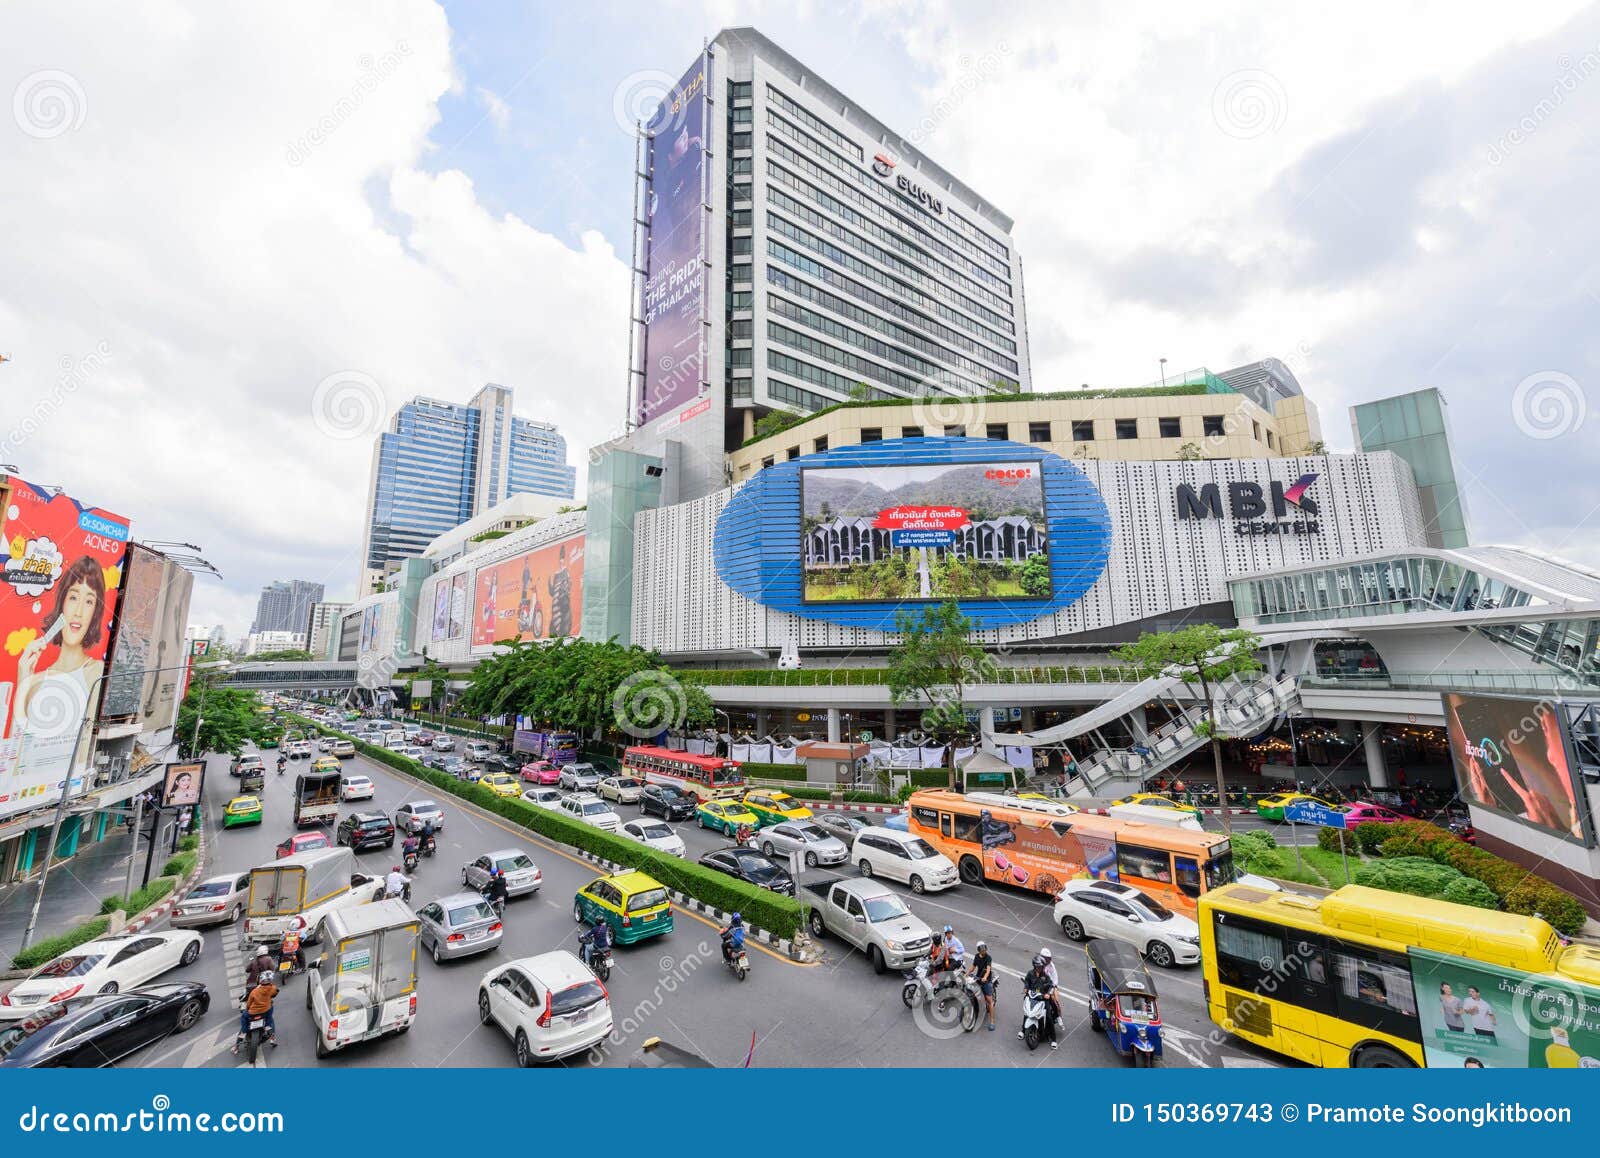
(703, 776)
(1040, 845)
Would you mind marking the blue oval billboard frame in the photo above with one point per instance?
(756, 548)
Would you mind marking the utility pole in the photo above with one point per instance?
(133, 837)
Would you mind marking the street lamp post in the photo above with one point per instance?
(66, 788)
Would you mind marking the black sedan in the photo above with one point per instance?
(366, 830)
(749, 865)
(667, 802)
(89, 1032)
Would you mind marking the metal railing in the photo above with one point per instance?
(1536, 682)
(876, 677)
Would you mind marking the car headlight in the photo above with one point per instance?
(893, 945)
(1187, 940)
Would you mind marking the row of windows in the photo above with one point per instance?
(742, 116)
(740, 357)
(905, 383)
(793, 395)
(855, 265)
(979, 235)
(923, 369)
(806, 117)
(897, 205)
(855, 313)
(889, 305)
(1083, 430)
(782, 176)
(815, 375)
(961, 267)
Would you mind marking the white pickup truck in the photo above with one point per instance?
(870, 916)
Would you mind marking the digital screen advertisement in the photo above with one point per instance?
(674, 288)
(58, 597)
(1511, 757)
(538, 595)
(913, 532)
(371, 620)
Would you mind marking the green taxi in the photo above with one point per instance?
(725, 816)
(242, 810)
(267, 742)
(775, 807)
(636, 906)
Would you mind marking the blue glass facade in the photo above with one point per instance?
(538, 461)
(423, 478)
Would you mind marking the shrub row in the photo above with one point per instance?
(1517, 889)
(778, 915)
(41, 951)
(1422, 877)
(141, 899)
(189, 843)
(180, 866)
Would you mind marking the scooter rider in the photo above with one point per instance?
(258, 1003)
(495, 890)
(289, 948)
(394, 885)
(952, 956)
(262, 965)
(1038, 981)
(1055, 982)
(283, 762)
(733, 937)
(982, 971)
(596, 940)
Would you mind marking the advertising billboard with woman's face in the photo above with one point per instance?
(538, 595)
(1511, 757)
(62, 568)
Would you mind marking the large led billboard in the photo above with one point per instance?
(972, 530)
(152, 613)
(537, 595)
(674, 285)
(1512, 756)
(62, 571)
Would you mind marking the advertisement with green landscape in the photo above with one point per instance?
(1478, 1016)
(938, 531)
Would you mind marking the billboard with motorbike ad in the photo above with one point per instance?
(536, 595)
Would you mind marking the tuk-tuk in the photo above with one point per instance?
(365, 983)
(1122, 1000)
(252, 781)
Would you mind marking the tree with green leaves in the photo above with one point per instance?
(1201, 654)
(228, 720)
(932, 664)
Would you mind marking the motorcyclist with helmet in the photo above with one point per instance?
(596, 940)
(495, 890)
(733, 937)
(1038, 982)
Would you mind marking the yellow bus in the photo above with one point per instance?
(1374, 979)
(1040, 845)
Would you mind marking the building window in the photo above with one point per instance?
(1083, 430)
(766, 462)
(1170, 428)
(741, 328)
(1270, 442)
(741, 140)
(1255, 431)
(998, 431)
(820, 444)
(871, 434)
(743, 116)
(794, 452)
(741, 245)
(1038, 432)
(911, 432)
(739, 357)
(1127, 428)
(739, 88)
(1211, 426)
(741, 218)
(955, 432)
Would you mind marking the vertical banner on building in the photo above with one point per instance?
(674, 303)
(198, 649)
(62, 572)
(139, 611)
(458, 606)
(163, 685)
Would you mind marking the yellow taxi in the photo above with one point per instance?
(502, 784)
(775, 807)
(242, 810)
(326, 764)
(725, 816)
(1271, 807)
(636, 906)
(1156, 800)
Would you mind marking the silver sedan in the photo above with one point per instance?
(805, 837)
(522, 875)
(459, 926)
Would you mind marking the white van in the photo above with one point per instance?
(395, 739)
(478, 750)
(899, 856)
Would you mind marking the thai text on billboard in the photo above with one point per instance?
(1475, 1015)
(537, 595)
(58, 594)
(674, 286)
(937, 531)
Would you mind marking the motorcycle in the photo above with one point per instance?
(600, 962)
(498, 904)
(254, 1036)
(736, 959)
(409, 860)
(921, 989)
(428, 846)
(1035, 1018)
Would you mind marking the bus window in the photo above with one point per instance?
(927, 817)
(1151, 864)
(969, 828)
(1374, 989)
(1186, 874)
(1250, 955)
(944, 825)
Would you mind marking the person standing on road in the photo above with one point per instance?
(983, 974)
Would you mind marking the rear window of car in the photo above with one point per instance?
(466, 914)
(374, 822)
(211, 889)
(579, 996)
(75, 966)
(648, 899)
(508, 863)
(655, 831)
(424, 806)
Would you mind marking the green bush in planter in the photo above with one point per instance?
(1328, 840)
(41, 951)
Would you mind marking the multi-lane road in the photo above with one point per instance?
(830, 1014)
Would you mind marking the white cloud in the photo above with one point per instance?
(241, 213)
(496, 109)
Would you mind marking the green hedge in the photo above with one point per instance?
(41, 951)
(189, 843)
(141, 899)
(753, 771)
(781, 916)
(1423, 877)
(180, 866)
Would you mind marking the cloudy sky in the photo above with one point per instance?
(234, 235)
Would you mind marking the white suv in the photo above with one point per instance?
(590, 809)
(550, 1006)
(884, 852)
(1121, 912)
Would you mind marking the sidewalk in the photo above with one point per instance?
(76, 888)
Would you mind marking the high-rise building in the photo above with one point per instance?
(440, 463)
(796, 252)
(1416, 426)
(324, 619)
(285, 605)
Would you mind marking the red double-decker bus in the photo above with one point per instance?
(705, 776)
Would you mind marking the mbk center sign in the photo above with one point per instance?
(1279, 510)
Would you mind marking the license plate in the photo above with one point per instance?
(578, 1018)
(477, 934)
